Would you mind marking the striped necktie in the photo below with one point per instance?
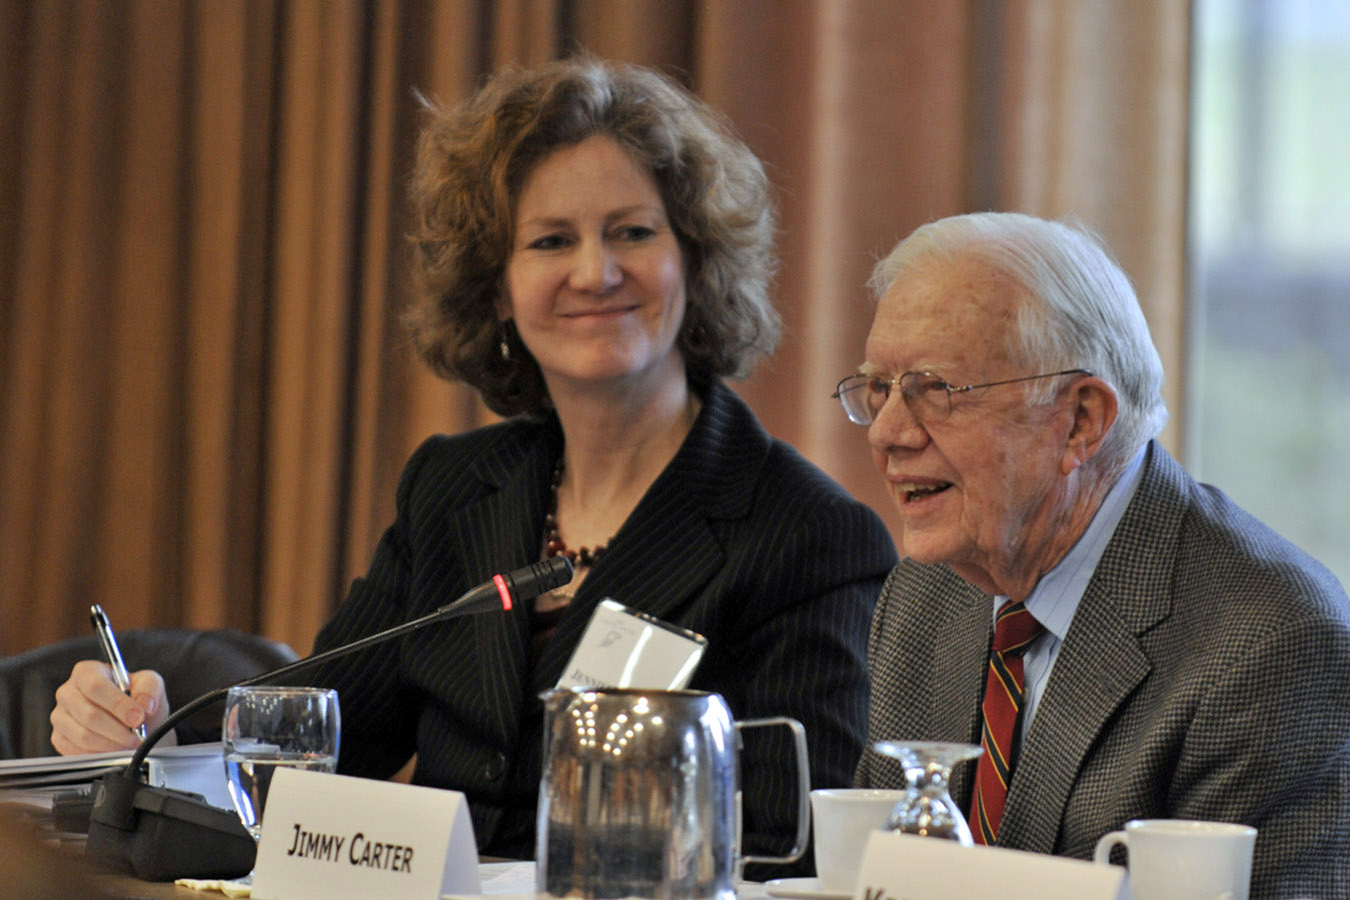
(1014, 631)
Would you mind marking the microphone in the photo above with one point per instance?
(160, 834)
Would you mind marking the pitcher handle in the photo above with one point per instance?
(803, 788)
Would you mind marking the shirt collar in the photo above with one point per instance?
(1055, 598)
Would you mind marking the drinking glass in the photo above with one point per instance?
(927, 808)
(267, 727)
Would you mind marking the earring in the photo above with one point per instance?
(505, 349)
(503, 346)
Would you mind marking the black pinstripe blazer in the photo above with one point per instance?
(739, 539)
(1205, 675)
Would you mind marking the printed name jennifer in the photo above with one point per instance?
(371, 854)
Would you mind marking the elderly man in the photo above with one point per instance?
(1123, 641)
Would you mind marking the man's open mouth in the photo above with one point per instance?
(912, 493)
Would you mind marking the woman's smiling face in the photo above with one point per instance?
(595, 280)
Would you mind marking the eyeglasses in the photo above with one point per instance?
(928, 397)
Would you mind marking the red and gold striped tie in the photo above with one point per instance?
(1014, 630)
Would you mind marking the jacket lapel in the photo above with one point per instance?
(666, 552)
(647, 571)
(1098, 666)
(1101, 661)
(960, 665)
(499, 533)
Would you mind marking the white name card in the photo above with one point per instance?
(626, 648)
(909, 867)
(329, 837)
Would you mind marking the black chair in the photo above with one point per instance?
(191, 661)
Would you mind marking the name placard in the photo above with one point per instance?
(328, 837)
(625, 648)
(908, 867)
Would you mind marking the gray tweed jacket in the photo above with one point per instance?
(1205, 675)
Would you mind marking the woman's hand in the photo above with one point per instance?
(92, 715)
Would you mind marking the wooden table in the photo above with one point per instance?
(57, 858)
(124, 887)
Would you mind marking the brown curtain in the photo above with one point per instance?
(205, 395)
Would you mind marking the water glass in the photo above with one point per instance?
(267, 727)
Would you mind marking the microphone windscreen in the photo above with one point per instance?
(537, 578)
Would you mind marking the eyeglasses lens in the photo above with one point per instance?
(926, 395)
(852, 393)
(863, 396)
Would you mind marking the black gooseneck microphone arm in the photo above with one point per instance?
(158, 834)
(501, 592)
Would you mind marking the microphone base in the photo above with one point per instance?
(159, 834)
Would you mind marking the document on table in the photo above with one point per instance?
(197, 768)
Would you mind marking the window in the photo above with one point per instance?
(1269, 414)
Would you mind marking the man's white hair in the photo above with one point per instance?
(1079, 309)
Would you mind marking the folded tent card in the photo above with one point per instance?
(912, 867)
(328, 837)
(626, 648)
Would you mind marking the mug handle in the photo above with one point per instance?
(1102, 855)
(803, 788)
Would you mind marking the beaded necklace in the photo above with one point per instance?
(553, 542)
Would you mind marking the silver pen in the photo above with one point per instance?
(113, 655)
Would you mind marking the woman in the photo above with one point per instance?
(593, 252)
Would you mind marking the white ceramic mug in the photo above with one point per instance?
(842, 819)
(1181, 859)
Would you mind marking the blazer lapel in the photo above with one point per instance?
(666, 552)
(938, 634)
(1101, 661)
(500, 533)
(645, 569)
(960, 666)
(1098, 666)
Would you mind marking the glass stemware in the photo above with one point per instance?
(927, 808)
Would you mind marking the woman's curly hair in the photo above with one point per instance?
(472, 162)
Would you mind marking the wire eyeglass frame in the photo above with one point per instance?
(859, 394)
